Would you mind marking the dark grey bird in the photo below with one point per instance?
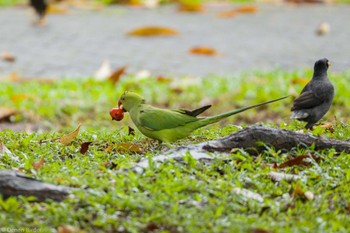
(316, 97)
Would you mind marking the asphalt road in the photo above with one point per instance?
(75, 44)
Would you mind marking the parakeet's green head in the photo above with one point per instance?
(130, 99)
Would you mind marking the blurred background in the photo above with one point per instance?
(63, 63)
(77, 38)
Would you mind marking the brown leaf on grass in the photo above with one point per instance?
(296, 191)
(124, 147)
(203, 50)
(115, 76)
(188, 7)
(300, 160)
(163, 79)
(68, 138)
(6, 113)
(153, 31)
(68, 229)
(84, 147)
(5, 56)
(108, 149)
(131, 131)
(14, 77)
(227, 14)
(38, 164)
(300, 80)
(109, 165)
(327, 125)
(247, 9)
(259, 230)
(151, 227)
(18, 98)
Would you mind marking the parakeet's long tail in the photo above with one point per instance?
(214, 119)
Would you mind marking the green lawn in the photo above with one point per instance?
(172, 197)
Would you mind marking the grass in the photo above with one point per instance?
(172, 197)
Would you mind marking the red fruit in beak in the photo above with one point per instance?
(117, 114)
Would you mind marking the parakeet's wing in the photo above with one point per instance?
(159, 119)
(306, 100)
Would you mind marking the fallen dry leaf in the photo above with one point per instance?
(8, 57)
(38, 164)
(128, 147)
(109, 165)
(302, 81)
(134, 2)
(108, 149)
(163, 79)
(18, 97)
(14, 77)
(203, 50)
(299, 161)
(153, 31)
(188, 7)
(84, 147)
(296, 191)
(327, 125)
(247, 9)
(68, 138)
(259, 230)
(6, 113)
(227, 14)
(67, 229)
(114, 78)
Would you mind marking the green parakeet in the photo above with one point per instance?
(168, 125)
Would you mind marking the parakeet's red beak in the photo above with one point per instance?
(120, 105)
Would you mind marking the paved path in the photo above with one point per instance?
(277, 36)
